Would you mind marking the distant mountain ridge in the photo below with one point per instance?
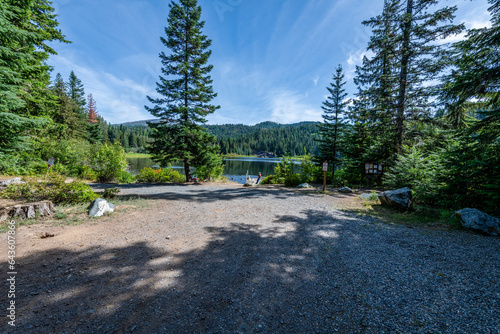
(262, 125)
(271, 138)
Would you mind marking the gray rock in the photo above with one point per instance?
(346, 190)
(304, 185)
(369, 196)
(478, 220)
(100, 206)
(401, 198)
(16, 180)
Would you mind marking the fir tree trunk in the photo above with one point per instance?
(189, 178)
(405, 57)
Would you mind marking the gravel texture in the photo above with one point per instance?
(228, 259)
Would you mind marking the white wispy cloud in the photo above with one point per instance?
(315, 80)
(118, 99)
(291, 107)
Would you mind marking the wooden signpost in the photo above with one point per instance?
(49, 164)
(325, 168)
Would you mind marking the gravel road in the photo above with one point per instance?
(228, 259)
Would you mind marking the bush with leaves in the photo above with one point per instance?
(107, 161)
(311, 172)
(272, 179)
(284, 168)
(52, 188)
(213, 168)
(293, 180)
(150, 175)
(110, 193)
(125, 177)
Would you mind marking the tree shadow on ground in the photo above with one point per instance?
(311, 272)
(204, 194)
(246, 279)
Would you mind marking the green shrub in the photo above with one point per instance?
(52, 188)
(58, 168)
(310, 171)
(110, 193)
(85, 172)
(284, 168)
(68, 152)
(212, 168)
(150, 175)
(293, 180)
(417, 172)
(272, 179)
(125, 177)
(14, 165)
(107, 161)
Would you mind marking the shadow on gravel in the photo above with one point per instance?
(308, 273)
(204, 194)
(247, 279)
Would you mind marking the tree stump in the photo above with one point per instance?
(27, 210)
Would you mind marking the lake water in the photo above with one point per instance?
(235, 169)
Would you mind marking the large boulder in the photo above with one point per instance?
(100, 206)
(478, 220)
(346, 190)
(304, 185)
(400, 198)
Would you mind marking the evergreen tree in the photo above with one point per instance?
(376, 80)
(93, 126)
(12, 58)
(395, 84)
(473, 87)
(186, 89)
(333, 126)
(421, 60)
(75, 90)
(37, 21)
(15, 132)
(70, 122)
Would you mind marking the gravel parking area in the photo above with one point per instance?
(229, 259)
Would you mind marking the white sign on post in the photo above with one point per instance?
(325, 166)
(50, 162)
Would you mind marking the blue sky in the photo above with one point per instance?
(273, 59)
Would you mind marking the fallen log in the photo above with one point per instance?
(27, 210)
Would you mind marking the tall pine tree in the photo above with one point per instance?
(421, 60)
(395, 83)
(185, 86)
(93, 126)
(333, 126)
(37, 20)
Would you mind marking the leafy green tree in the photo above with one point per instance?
(333, 126)
(186, 91)
(107, 161)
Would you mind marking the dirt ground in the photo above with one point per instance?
(197, 259)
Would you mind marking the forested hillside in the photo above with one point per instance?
(271, 137)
